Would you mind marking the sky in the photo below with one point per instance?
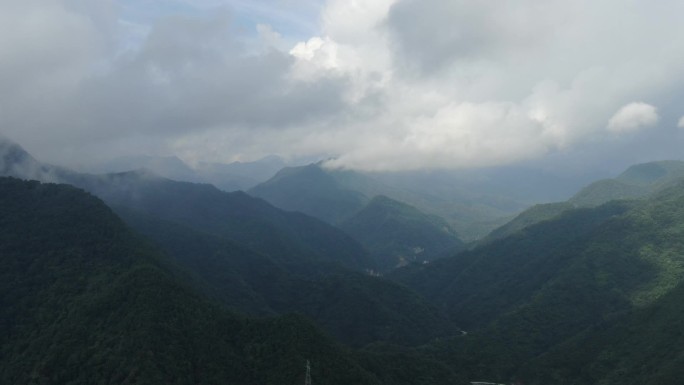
(377, 85)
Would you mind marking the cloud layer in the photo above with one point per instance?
(381, 85)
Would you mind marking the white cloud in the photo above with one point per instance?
(557, 67)
(681, 122)
(446, 139)
(383, 84)
(633, 117)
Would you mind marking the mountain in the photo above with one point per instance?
(472, 202)
(532, 292)
(166, 166)
(257, 259)
(243, 219)
(237, 216)
(635, 182)
(638, 181)
(396, 234)
(535, 214)
(228, 177)
(588, 295)
(335, 195)
(311, 190)
(643, 347)
(16, 162)
(306, 254)
(245, 174)
(85, 301)
(354, 308)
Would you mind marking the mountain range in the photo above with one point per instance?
(84, 300)
(636, 182)
(540, 291)
(472, 202)
(396, 234)
(228, 177)
(134, 278)
(282, 258)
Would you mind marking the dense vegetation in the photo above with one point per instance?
(236, 216)
(541, 288)
(636, 182)
(354, 307)
(562, 295)
(261, 260)
(312, 191)
(473, 204)
(85, 301)
(393, 232)
(532, 215)
(396, 234)
(643, 347)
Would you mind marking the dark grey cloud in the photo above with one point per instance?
(65, 85)
(191, 74)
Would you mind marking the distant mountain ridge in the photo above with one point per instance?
(473, 203)
(555, 286)
(397, 234)
(232, 232)
(638, 181)
(84, 301)
(311, 190)
(588, 294)
(249, 220)
(635, 182)
(228, 177)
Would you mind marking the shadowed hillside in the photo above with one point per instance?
(397, 234)
(84, 301)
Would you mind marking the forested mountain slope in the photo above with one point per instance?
(336, 195)
(638, 181)
(310, 190)
(641, 348)
(396, 234)
(84, 301)
(635, 182)
(246, 220)
(261, 260)
(591, 295)
(528, 293)
(237, 216)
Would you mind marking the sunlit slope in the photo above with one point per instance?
(526, 294)
(638, 181)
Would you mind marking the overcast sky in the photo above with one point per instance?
(373, 84)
